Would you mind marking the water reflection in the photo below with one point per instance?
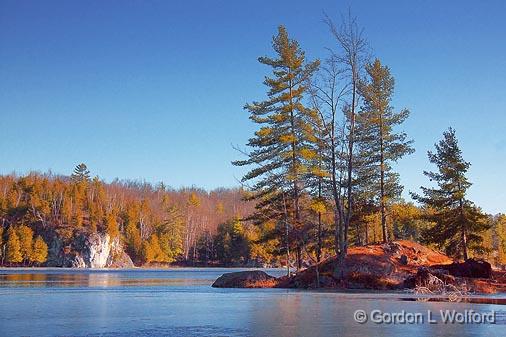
(331, 314)
(181, 303)
(96, 279)
(61, 280)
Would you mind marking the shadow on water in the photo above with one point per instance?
(471, 299)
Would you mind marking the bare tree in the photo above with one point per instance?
(340, 91)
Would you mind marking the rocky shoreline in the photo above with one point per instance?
(399, 265)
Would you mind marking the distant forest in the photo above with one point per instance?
(189, 226)
(154, 223)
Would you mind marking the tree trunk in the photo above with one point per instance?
(297, 219)
(384, 228)
(287, 236)
(351, 141)
(319, 250)
(463, 230)
(299, 257)
(319, 247)
(464, 244)
(358, 239)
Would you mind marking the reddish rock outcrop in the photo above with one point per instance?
(245, 279)
(382, 266)
(396, 265)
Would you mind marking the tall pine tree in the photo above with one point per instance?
(379, 144)
(458, 222)
(81, 173)
(279, 144)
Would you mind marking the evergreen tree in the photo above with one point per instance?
(151, 250)
(277, 147)
(172, 231)
(171, 246)
(81, 173)
(39, 253)
(112, 226)
(378, 144)
(499, 238)
(78, 217)
(232, 244)
(458, 222)
(96, 202)
(318, 173)
(132, 234)
(13, 253)
(25, 236)
(158, 254)
(133, 240)
(148, 255)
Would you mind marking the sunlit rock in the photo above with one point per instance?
(89, 251)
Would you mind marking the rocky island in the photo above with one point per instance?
(394, 266)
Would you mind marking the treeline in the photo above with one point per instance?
(154, 223)
(323, 159)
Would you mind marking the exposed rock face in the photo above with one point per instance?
(89, 251)
(244, 279)
(95, 250)
(55, 252)
(118, 258)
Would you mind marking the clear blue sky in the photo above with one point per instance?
(154, 90)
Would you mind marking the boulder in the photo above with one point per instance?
(244, 279)
(368, 272)
(470, 268)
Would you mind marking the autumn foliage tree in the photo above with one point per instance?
(278, 146)
(25, 235)
(39, 252)
(13, 251)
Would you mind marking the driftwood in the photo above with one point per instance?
(437, 283)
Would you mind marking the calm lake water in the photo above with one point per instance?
(181, 302)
